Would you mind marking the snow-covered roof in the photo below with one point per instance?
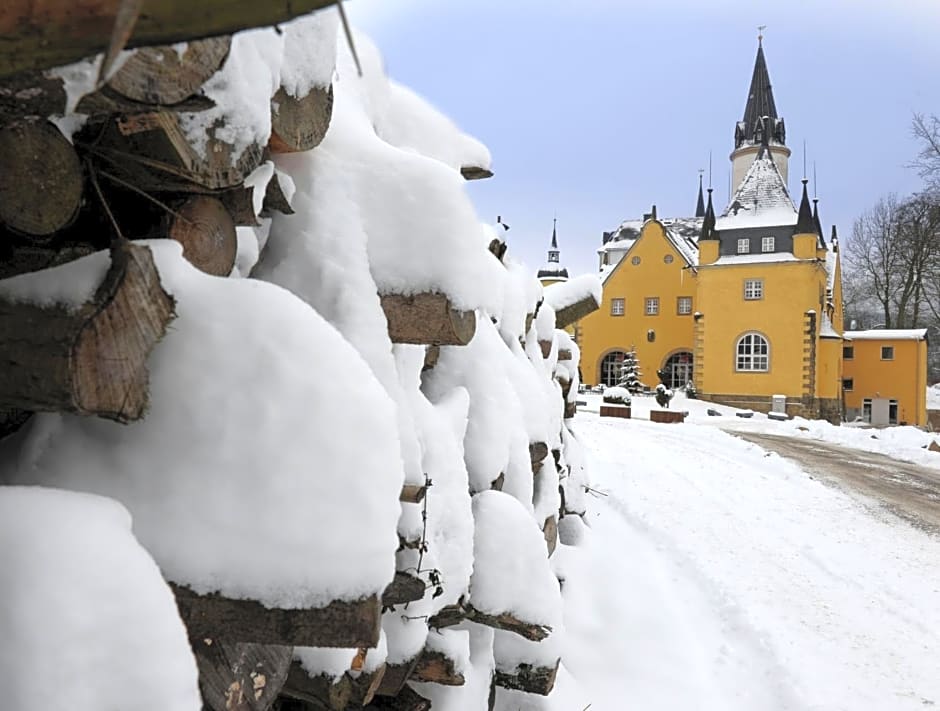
(887, 334)
(685, 245)
(757, 258)
(832, 260)
(761, 200)
(685, 227)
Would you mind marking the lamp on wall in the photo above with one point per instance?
(651, 335)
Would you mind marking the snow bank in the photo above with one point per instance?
(268, 440)
(309, 52)
(510, 569)
(87, 622)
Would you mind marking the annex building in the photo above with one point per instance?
(747, 304)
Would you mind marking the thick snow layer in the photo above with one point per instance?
(475, 691)
(761, 200)
(68, 286)
(411, 123)
(719, 576)
(574, 290)
(511, 572)
(771, 257)
(887, 334)
(87, 622)
(268, 440)
(309, 52)
(511, 650)
(334, 662)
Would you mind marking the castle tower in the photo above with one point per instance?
(760, 125)
(553, 271)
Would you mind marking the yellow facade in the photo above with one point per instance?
(899, 379)
(652, 268)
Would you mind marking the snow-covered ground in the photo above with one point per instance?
(719, 576)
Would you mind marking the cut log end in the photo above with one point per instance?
(240, 677)
(300, 124)
(427, 319)
(163, 75)
(436, 668)
(207, 232)
(403, 589)
(41, 180)
(528, 678)
(412, 493)
(474, 172)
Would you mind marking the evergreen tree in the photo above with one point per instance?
(630, 372)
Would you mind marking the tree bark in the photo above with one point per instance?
(550, 531)
(325, 692)
(412, 494)
(574, 312)
(403, 589)
(275, 199)
(407, 700)
(395, 677)
(240, 677)
(472, 172)
(339, 624)
(506, 621)
(92, 360)
(46, 34)
(41, 180)
(164, 76)
(299, 124)
(31, 94)
(427, 319)
(537, 452)
(207, 232)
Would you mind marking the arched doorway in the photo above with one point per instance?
(610, 368)
(678, 369)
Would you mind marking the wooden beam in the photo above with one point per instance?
(427, 319)
(403, 589)
(537, 452)
(550, 532)
(91, 361)
(339, 624)
(39, 34)
(240, 677)
(528, 678)
(546, 347)
(395, 677)
(575, 312)
(431, 355)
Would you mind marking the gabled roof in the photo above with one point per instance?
(683, 244)
(760, 98)
(762, 198)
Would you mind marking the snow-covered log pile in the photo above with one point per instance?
(336, 419)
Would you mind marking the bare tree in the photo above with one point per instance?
(926, 130)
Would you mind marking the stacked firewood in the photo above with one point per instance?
(149, 154)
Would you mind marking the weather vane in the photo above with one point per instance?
(760, 33)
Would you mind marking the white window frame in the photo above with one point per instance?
(753, 289)
(744, 245)
(618, 306)
(651, 306)
(767, 244)
(752, 354)
(685, 301)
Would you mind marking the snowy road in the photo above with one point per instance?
(910, 491)
(720, 576)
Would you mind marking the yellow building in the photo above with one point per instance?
(884, 376)
(746, 305)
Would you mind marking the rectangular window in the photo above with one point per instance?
(848, 352)
(887, 353)
(848, 384)
(616, 307)
(652, 306)
(766, 244)
(892, 412)
(753, 289)
(744, 246)
(866, 409)
(684, 305)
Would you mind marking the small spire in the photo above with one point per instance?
(819, 230)
(804, 222)
(555, 233)
(708, 223)
(700, 205)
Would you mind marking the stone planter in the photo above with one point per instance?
(615, 411)
(667, 416)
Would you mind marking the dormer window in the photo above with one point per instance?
(744, 246)
(766, 244)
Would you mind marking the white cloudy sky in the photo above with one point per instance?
(596, 109)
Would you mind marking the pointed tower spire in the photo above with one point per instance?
(700, 205)
(708, 223)
(554, 235)
(553, 269)
(760, 98)
(817, 223)
(805, 225)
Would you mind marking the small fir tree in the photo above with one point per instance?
(630, 373)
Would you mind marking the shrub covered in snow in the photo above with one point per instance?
(617, 395)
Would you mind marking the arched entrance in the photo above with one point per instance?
(610, 368)
(678, 369)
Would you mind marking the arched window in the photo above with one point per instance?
(610, 368)
(752, 353)
(678, 370)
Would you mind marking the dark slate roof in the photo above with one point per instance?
(547, 273)
(760, 98)
(819, 229)
(700, 205)
(805, 224)
(555, 234)
(708, 223)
